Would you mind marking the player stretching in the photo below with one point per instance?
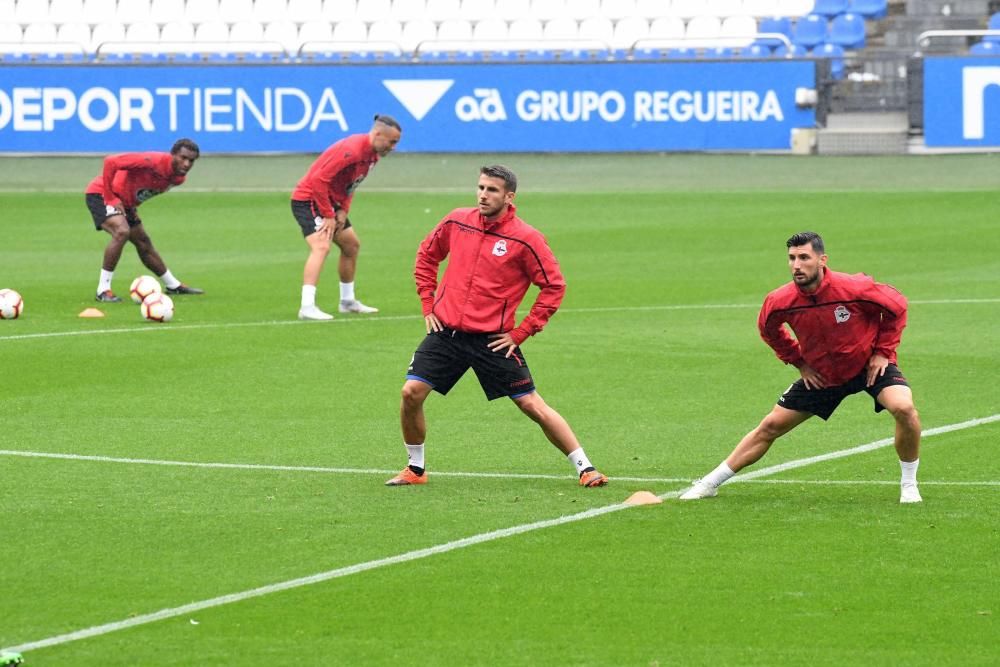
(128, 180)
(320, 204)
(493, 257)
(847, 328)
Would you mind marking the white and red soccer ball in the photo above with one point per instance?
(142, 287)
(157, 307)
(11, 304)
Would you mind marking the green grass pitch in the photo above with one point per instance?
(654, 359)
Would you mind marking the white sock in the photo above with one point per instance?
(580, 460)
(347, 291)
(308, 296)
(416, 455)
(908, 472)
(719, 475)
(169, 280)
(104, 284)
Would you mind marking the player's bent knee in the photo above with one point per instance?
(414, 392)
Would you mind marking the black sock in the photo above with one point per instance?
(416, 470)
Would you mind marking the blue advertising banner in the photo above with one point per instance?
(962, 101)
(682, 106)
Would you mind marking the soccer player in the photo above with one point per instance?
(113, 198)
(493, 257)
(847, 328)
(320, 204)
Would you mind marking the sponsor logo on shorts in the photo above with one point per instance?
(500, 248)
(841, 314)
(318, 222)
(521, 382)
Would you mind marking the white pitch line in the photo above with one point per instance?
(146, 328)
(173, 612)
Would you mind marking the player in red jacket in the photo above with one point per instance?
(113, 198)
(493, 258)
(321, 201)
(847, 328)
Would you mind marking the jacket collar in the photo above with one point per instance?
(506, 217)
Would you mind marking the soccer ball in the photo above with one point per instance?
(142, 287)
(11, 304)
(157, 307)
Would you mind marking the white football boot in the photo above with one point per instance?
(701, 489)
(355, 306)
(908, 493)
(313, 313)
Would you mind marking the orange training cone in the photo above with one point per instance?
(643, 498)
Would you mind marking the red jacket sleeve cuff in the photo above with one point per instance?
(519, 335)
(427, 304)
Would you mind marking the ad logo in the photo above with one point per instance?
(975, 81)
(418, 96)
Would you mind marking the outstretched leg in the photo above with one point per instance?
(559, 433)
(898, 400)
(414, 427)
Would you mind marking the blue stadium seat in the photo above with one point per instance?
(779, 24)
(756, 51)
(835, 53)
(985, 49)
(810, 30)
(870, 9)
(994, 24)
(830, 8)
(797, 51)
(848, 31)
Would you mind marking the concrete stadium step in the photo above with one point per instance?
(864, 134)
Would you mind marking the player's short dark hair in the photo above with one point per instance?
(185, 143)
(387, 120)
(500, 171)
(802, 238)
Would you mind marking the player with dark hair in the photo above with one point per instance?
(113, 198)
(847, 328)
(320, 204)
(493, 258)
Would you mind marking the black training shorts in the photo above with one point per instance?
(308, 217)
(100, 212)
(444, 356)
(822, 402)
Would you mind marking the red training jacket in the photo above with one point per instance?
(491, 264)
(131, 178)
(335, 175)
(838, 327)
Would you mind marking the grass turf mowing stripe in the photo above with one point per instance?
(173, 612)
(395, 318)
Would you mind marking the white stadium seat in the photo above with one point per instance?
(761, 8)
(548, 10)
(454, 30)
(652, 9)
(741, 28)
(415, 32)
(67, 11)
(107, 32)
(442, 10)
(165, 11)
(561, 29)
(211, 31)
(73, 33)
(667, 27)
(386, 31)
(628, 31)
(704, 31)
(303, 11)
(10, 33)
(285, 33)
(350, 31)
(177, 31)
(370, 11)
(133, 11)
(27, 12)
(234, 11)
(598, 28)
(320, 31)
(724, 8)
(201, 11)
(525, 29)
(269, 11)
(142, 31)
(494, 29)
(339, 10)
(617, 9)
(246, 31)
(687, 9)
(583, 9)
(513, 10)
(99, 11)
(406, 10)
(477, 10)
(39, 32)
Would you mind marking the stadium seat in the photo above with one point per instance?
(797, 51)
(211, 31)
(201, 11)
(525, 29)
(557, 29)
(143, 31)
(985, 49)
(177, 31)
(304, 11)
(285, 33)
(703, 31)
(405, 10)
(386, 31)
(134, 11)
(99, 11)
(512, 10)
(830, 8)
(28, 12)
(72, 33)
(493, 29)
(618, 9)
(415, 32)
(994, 24)
(652, 9)
(597, 28)
(441, 10)
(726, 8)
(628, 31)
(548, 10)
(688, 9)
(738, 30)
(11, 33)
(476, 10)
(667, 27)
(163, 12)
(794, 8)
(810, 30)
(761, 8)
(246, 31)
(322, 31)
(870, 9)
(104, 33)
(67, 11)
(848, 31)
(39, 32)
(233, 11)
(781, 25)
(585, 9)
(756, 50)
(269, 11)
(454, 30)
(835, 53)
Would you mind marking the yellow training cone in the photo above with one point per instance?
(643, 498)
(91, 312)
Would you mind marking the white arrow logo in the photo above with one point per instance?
(418, 96)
